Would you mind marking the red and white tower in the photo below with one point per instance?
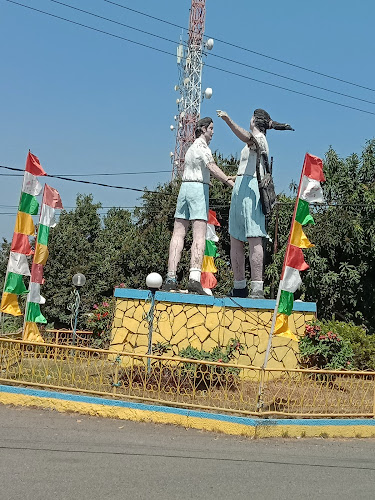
(189, 60)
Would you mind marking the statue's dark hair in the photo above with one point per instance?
(203, 122)
(263, 122)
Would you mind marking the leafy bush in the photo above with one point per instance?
(100, 321)
(325, 349)
(160, 348)
(363, 345)
(218, 354)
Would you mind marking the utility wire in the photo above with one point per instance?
(214, 55)
(207, 65)
(95, 174)
(243, 48)
(63, 178)
(213, 205)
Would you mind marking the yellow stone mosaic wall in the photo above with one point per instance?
(205, 327)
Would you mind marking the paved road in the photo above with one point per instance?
(48, 455)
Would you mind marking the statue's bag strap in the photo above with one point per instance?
(259, 156)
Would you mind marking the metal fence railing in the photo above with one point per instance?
(81, 338)
(184, 382)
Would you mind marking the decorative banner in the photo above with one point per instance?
(20, 246)
(208, 280)
(31, 333)
(9, 304)
(51, 200)
(18, 264)
(309, 191)
(14, 284)
(34, 294)
(33, 313)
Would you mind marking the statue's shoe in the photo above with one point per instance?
(240, 293)
(194, 286)
(169, 286)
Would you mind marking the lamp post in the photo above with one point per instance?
(78, 280)
(153, 283)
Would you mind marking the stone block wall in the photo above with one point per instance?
(204, 322)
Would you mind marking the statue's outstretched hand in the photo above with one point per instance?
(222, 114)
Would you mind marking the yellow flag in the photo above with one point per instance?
(282, 328)
(24, 224)
(32, 333)
(41, 254)
(9, 304)
(299, 238)
(208, 265)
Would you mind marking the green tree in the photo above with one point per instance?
(341, 277)
(71, 250)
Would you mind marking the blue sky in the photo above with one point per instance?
(85, 102)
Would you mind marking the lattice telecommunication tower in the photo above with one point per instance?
(189, 61)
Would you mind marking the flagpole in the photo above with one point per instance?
(6, 272)
(277, 302)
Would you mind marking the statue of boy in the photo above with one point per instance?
(246, 219)
(192, 205)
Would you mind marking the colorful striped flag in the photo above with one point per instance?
(20, 246)
(208, 279)
(310, 191)
(51, 200)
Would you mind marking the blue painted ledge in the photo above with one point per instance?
(186, 298)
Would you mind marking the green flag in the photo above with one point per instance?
(28, 204)
(286, 303)
(33, 313)
(15, 284)
(303, 213)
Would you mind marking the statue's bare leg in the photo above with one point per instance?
(176, 245)
(237, 258)
(197, 249)
(256, 265)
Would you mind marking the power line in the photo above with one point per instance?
(101, 173)
(290, 90)
(244, 48)
(207, 65)
(63, 178)
(214, 55)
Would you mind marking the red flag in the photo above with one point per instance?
(212, 218)
(208, 280)
(313, 168)
(37, 273)
(21, 244)
(296, 259)
(51, 197)
(33, 165)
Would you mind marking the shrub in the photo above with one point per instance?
(322, 348)
(363, 345)
(100, 321)
(218, 354)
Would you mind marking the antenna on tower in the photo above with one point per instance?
(189, 61)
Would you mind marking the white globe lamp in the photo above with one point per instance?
(208, 93)
(209, 44)
(154, 281)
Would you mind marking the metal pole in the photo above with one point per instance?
(76, 307)
(150, 325)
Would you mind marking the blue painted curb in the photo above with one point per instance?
(253, 422)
